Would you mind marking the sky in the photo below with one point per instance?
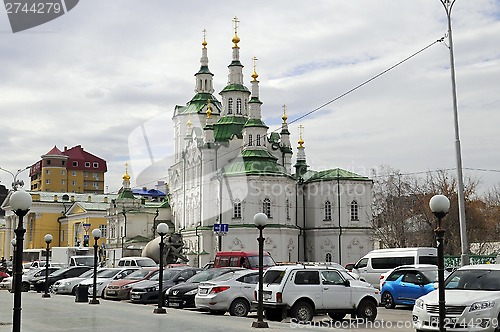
(104, 71)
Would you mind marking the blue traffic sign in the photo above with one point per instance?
(221, 228)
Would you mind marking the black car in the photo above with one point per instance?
(146, 291)
(182, 295)
(38, 284)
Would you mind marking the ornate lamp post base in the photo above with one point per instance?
(94, 301)
(260, 324)
(160, 311)
(45, 295)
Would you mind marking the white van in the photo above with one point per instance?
(371, 266)
(136, 261)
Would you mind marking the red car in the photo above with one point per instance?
(120, 289)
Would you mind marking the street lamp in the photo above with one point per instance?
(13, 242)
(260, 221)
(464, 257)
(96, 233)
(440, 205)
(48, 240)
(20, 202)
(162, 230)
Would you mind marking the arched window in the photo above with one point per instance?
(238, 106)
(250, 140)
(328, 210)
(354, 211)
(266, 207)
(258, 140)
(237, 209)
(328, 257)
(287, 208)
(230, 106)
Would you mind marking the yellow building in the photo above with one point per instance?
(72, 170)
(69, 217)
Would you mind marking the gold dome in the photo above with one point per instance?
(125, 176)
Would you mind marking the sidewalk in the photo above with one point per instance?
(62, 313)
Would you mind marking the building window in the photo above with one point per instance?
(328, 210)
(250, 140)
(237, 210)
(287, 208)
(96, 176)
(230, 106)
(354, 211)
(87, 164)
(75, 164)
(73, 173)
(62, 236)
(73, 183)
(104, 230)
(47, 181)
(328, 258)
(258, 140)
(63, 181)
(48, 162)
(63, 172)
(95, 184)
(63, 162)
(47, 171)
(85, 183)
(238, 106)
(96, 165)
(266, 207)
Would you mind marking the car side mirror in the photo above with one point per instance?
(347, 283)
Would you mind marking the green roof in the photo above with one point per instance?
(198, 103)
(235, 87)
(227, 127)
(255, 123)
(255, 162)
(254, 100)
(333, 174)
(236, 63)
(204, 70)
(274, 137)
(126, 193)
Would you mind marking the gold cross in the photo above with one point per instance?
(236, 21)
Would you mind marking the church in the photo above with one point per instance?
(228, 166)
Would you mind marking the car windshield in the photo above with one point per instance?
(431, 275)
(474, 280)
(59, 272)
(32, 272)
(84, 261)
(108, 273)
(146, 263)
(138, 275)
(267, 261)
(87, 274)
(207, 275)
(274, 276)
(167, 275)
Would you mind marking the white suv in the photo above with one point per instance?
(301, 291)
(472, 301)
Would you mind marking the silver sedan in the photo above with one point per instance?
(233, 292)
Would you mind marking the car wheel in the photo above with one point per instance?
(367, 310)
(25, 287)
(336, 315)
(274, 315)
(302, 312)
(217, 312)
(388, 300)
(73, 291)
(239, 308)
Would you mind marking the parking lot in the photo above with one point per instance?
(61, 313)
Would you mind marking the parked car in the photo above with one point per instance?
(27, 277)
(146, 291)
(472, 296)
(137, 261)
(407, 283)
(105, 278)
(245, 259)
(231, 292)
(69, 285)
(120, 289)
(38, 283)
(182, 295)
(302, 291)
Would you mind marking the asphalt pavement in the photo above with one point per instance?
(62, 313)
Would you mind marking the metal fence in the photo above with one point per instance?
(454, 261)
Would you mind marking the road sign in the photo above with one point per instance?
(221, 228)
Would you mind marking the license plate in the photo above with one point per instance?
(448, 321)
(135, 296)
(111, 292)
(266, 296)
(173, 304)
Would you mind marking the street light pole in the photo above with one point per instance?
(448, 5)
(440, 205)
(20, 202)
(162, 230)
(260, 221)
(96, 233)
(48, 240)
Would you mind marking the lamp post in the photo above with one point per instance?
(96, 234)
(20, 202)
(260, 221)
(464, 257)
(48, 240)
(440, 205)
(162, 230)
(13, 242)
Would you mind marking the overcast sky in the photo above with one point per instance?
(97, 74)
